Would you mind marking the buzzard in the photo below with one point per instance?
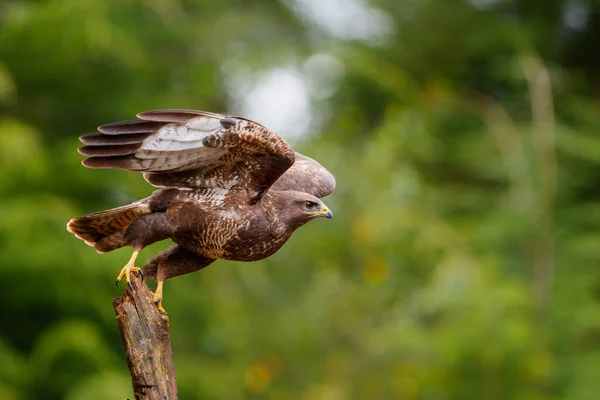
(228, 189)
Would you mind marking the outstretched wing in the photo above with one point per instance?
(175, 148)
(306, 175)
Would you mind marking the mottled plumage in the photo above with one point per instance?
(229, 189)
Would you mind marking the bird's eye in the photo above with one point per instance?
(311, 204)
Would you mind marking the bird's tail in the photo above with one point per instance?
(105, 230)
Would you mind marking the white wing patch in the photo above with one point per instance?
(177, 138)
(205, 124)
(176, 145)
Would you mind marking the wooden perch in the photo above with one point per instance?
(145, 335)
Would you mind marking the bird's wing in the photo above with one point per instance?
(306, 175)
(188, 148)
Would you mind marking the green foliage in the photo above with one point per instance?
(461, 263)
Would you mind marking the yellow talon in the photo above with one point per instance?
(128, 269)
(157, 297)
(160, 308)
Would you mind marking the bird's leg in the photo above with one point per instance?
(157, 297)
(170, 263)
(128, 269)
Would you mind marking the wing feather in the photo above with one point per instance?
(101, 139)
(109, 150)
(306, 175)
(192, 148)
(128, 127)
(175, 115)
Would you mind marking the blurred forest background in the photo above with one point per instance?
(464, 258)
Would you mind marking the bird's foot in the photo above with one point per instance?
(159, 307)
(157, 298)
(128, 269)
(126, 272)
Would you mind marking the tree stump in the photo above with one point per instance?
(145, 336)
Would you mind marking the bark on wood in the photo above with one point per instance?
(145, 335)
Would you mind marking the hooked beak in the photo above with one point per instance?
(326, 212)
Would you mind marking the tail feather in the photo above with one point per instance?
(112, 242)
(105, 230)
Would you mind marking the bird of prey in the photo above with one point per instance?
(228, 189)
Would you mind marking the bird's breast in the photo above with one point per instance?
(255, 239)
(232, 233)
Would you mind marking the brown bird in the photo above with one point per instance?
(229, 189)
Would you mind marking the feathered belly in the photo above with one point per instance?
(230, 241)
(210, 246)
(207, 236)
(240, 249)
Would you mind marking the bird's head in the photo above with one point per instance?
(312, 207)
(303, 207)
